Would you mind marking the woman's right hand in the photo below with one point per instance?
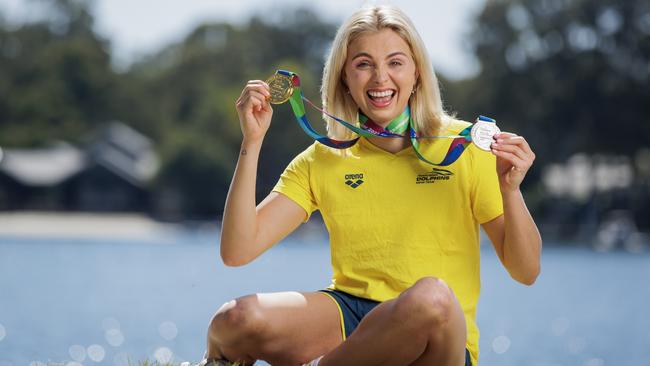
(254, 110)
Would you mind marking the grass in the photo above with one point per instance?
(157, 363)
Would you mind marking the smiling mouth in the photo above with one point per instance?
(381, 98)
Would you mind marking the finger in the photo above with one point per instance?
(258, 83)
(255, 82)
(505, 134)
(253, 103)
(265, 104)
(511, 138)
(259, 94)
(255, 95)
(260, 87)
(264, 84)
(514, 160)
(513, 149)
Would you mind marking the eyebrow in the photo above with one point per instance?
(362, 54)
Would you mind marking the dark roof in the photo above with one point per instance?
(42, 167)
(117, 147)
(125, 152)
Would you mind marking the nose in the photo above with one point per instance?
(381, 75)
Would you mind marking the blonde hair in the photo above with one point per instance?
(426, 104)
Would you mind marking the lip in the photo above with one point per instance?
(378, 104)
(381, 90)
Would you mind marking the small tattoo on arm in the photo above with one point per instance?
(244, 152)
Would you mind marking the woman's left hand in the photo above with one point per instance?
(514, 158)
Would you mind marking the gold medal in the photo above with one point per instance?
(281, 88)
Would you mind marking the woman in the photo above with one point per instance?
(404, 235)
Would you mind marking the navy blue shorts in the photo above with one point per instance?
(353, 309)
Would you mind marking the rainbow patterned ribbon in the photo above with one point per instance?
(369, 128)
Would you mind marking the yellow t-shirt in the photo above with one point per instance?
(393, 219)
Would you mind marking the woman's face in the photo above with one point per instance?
(380, 73)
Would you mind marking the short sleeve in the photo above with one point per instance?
(295, 182)
(487, 203)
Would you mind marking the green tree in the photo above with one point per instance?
(190, 91)
(571, 76)
(56, 81)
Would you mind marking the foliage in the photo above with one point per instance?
(571, 76)
(55, 78)
(57, 83)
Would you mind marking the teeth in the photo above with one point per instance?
(376, 94)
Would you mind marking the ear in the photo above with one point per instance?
(344, 77)
(343, 81)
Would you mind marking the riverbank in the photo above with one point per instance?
(122, 227)
(59, 225)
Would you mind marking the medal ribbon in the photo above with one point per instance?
(395, 129)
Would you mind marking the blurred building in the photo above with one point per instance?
(603, 200)
(110, 173)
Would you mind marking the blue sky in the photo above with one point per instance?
(138, 27)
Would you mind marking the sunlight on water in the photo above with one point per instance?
(595, 362)
(77, 352)
(577, 345)
(501, 344)
(163, 355)
(568, 329)
(559, 326)
(96, 353)
(112, 332)
(114, 337)
(168, 330)
(110, 323)
(121, 359)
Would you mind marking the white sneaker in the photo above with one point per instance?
(314, 362)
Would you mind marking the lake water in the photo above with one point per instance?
(86, 302)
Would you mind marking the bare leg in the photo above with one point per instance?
(286, 328)
(425, 325)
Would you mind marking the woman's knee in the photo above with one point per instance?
(236, 319)
(429, 301)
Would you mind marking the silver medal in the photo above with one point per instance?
(483, 134)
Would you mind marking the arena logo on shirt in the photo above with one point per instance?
(354, 180)
(433, 176)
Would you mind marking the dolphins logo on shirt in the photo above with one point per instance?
(434, 175)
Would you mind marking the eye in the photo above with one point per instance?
(363, 64)
(396, 63)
